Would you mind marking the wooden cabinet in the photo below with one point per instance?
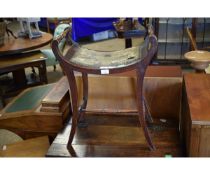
(195, 120)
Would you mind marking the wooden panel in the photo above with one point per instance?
(163, 96)
(204, 150)
(185, 122)
(57, 95)
(164, 71)
(195, 119)
(194, 142)
(198, 97)
(34, 122)
(117, 95)
(36, 147)
(157, 71)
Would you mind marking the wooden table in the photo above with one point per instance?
(14, 46)
(15, 57)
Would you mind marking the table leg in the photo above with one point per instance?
(19, 77)
(43, 72)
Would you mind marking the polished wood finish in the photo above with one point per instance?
(195, 120)
(14, 46)
(117, 136)
(69, 67)
(29, 121)
(36, 147)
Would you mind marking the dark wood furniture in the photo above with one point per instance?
(14, 63)
(195, 120)
(17, 64)
(105, 63)
(17, 54)
(114, 133)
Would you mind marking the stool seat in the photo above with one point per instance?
(200, 59)
(106, 59)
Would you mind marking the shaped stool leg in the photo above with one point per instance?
(140, 106)
(74, 104)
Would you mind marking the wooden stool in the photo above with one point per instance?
(199, 59)
(102, 63)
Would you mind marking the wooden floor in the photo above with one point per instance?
(118, 136)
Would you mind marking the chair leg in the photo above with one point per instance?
(74, 104)
(141, 110)
(82, 122)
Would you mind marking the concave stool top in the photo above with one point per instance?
(107, 59)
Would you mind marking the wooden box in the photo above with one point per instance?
(195, 120)
(38, 111)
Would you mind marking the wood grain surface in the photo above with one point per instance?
(195, 120)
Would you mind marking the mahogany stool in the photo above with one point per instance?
(88, 61)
